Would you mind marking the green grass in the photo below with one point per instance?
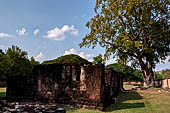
(143, 101)
(2, 92)
(129, 87)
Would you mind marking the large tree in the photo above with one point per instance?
(133, 30)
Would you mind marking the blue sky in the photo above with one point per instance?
(47, 29)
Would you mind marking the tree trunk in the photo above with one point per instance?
(148, 75)
(148, 81)
(147, 71)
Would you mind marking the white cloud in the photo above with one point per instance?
(40, 57)
(5, 35)
(84, 55)
(111, 61)
(55, 34)
(22, 31)
(36, 31)
(163, 66)
(90, 55)
(73, 31)
(59, 34)
(81, 54)
(70, 51)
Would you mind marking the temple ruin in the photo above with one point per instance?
(79, 85)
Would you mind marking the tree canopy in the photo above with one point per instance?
(162, 74)
(98, 60)
(67, 59)
(130, 74)
(135, 31)
(14, 62)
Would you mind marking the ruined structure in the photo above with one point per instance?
(163, 83)
(166, 83)
(79, 85)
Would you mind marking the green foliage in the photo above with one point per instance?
(157, 76)
(2, 66)
(161, 74)
(130, 73)
(15, 63)
(33, 61)
(67, 59)
(131, 29)
(98, 60)
(165, 73)
(134, 31)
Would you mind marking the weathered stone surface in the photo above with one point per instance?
(166, 83)
(30, 107)
(79, 85)
(2, 83)
(163, 83)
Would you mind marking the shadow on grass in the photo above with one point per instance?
(127, 96)
(125, 106)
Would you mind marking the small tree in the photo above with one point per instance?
(133, 30)
(15, 62)
(98, 59)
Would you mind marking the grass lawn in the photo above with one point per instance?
(129, 87)
(2, 92)
(143, 101)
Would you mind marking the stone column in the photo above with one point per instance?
(63, 73)
(74, 73)
(82, 79)
(39, 85)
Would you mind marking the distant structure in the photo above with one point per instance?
(166, 83)
(163, 83)
(79, 85)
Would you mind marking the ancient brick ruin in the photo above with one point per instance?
(78, 85)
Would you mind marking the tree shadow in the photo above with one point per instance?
(129, 95)
(126, 96)
(138, 85)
